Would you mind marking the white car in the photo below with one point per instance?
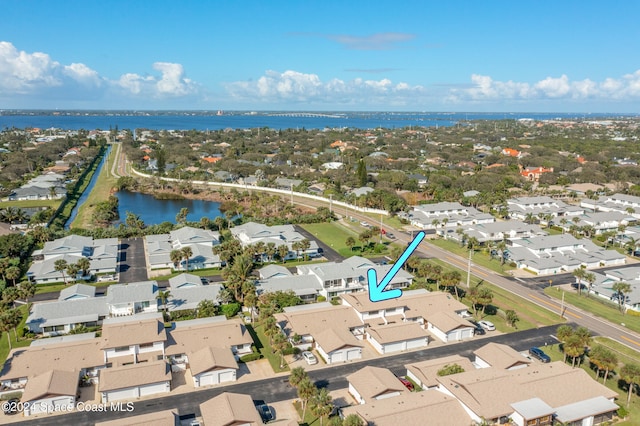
(309, 357)
(487, 325)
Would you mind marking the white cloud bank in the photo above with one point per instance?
(35, 80)
(24, 74)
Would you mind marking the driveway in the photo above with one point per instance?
(330, 254)
(133, 264)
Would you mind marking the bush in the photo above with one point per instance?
(292, 351)
(622, 412)
(230, 309)
(321, 299)
(335, 301)
(250, 357)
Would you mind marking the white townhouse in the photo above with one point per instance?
(188, 290)
(446, 214)
(560, 253)
(158, 249)
(102, 255)
(622, 203)
(604, 282)
(251, 233)
(78, 306)
(494, 231)
(539, 207)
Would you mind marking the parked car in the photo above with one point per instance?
(10, 407)
(266, 413)
(391, 236)
(309, 357)
(478, 328)
(539, 354)
(487, 325)
(407, 384)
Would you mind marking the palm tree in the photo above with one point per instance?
(298, 374)
(270, 251)
(176, 258)
(306, 391)
(60, 265)
(9, 319)
(280, 344)
(321, 404)
(579, 274)
(163, 297)
(186, 255)
(13, 273)
(283, 250)
(620, 290)
(72, 270)
(590, 278)
(84, 265)
(574, 348)
(630, 373)
(27, 289)
(304, 246)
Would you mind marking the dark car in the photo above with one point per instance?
(10, 407)
(266, 413)
(479, 330)
(539, 354)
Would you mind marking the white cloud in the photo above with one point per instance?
(38, 75)
(300, 87)
(610, 89)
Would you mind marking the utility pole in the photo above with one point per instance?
(380, 229)
(292, 194)
(330, 203)
(562, 306)
(469, 269)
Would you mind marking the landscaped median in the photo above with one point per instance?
(596, 306)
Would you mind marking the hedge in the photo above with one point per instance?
(250, 357)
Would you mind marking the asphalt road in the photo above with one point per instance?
(278, 389)
(132, 264)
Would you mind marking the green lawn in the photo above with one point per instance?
(30, 203)
(597, 306)
(531, 315)
(4, 345)
(479, 257)
(100, 192)
(310, 419)
(625, 354)
(335, 234)
(264, 347)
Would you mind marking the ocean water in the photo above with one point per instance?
(185, 120)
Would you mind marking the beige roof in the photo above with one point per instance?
(489, 392)
(51, 383)
(413, 409)
(427, 371)
(159, 418)
(397, 332)
(224, 334)
(133, 332)
(436, 301)
(35, 360)
(371, 382)
(313, 321)
(229, 409)
(133, 375)
(211, 358)
(500, 356)
(330, 340)
(447, 321)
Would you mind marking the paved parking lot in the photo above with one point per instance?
(132, 265)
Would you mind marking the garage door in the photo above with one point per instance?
(152, 389)
(353, 354)
(208, 379)
(467, 333)
(393, 347)
(337, 356)
(121, 394)
(418, 343)
(227, 376)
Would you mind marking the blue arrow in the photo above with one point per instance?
(377, 292)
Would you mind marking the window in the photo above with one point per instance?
(146, 345)
(122, 349)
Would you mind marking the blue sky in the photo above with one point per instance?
(512, 56)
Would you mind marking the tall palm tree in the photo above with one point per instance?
(163, 297)
(176, 258)
(186, 255)
(60, 265)
(13, 273)
(84, 265)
